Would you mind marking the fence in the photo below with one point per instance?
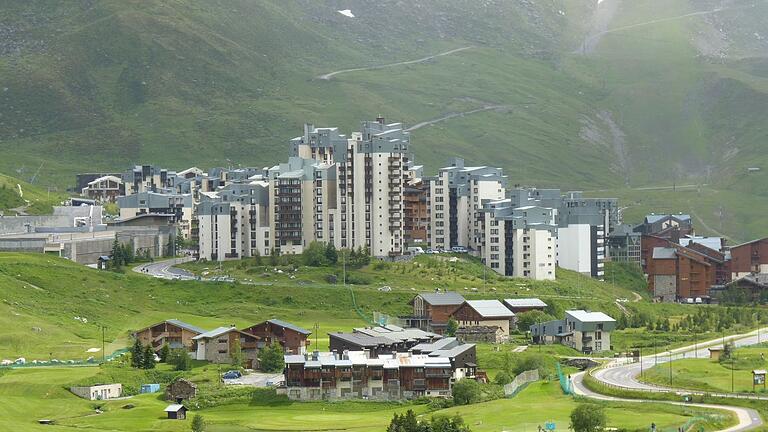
(520, 382)
(69, 363)
(565, 383)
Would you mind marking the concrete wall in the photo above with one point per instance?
(574, 250)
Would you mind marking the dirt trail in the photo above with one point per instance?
(593, 39)
(402, 63)
(457, 114)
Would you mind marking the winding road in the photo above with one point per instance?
(166, 270)
(402, 63)
(457, 114)
(623, 374)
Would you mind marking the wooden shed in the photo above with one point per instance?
(176, 412)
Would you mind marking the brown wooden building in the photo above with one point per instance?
(750, 257)
(431, 311)
(416, 213)
(676, 272)
(218, 345)
(292, 338)
(485, 313)
(175, 333)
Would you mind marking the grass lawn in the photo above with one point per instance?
(29, 395)
(710, 375)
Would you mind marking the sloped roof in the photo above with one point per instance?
(288, 325)
(443, 298)
(174, 408)
(525, 303)
(585, 316)
(714, 243)
(656, 218)
(215, 332)
(490, 308)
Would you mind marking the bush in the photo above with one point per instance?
(180, 359)
(198, 423)
(502, 378)
(588, 418)
(466, 391)
(526, 319)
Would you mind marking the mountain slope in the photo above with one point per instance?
(571, 94)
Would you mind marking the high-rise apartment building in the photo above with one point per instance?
(456, 197)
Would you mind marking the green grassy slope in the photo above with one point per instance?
(37, 394)
(32, 199)
(42, 296)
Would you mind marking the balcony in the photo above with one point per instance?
(438, 373)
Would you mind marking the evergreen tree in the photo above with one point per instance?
(198, 423)
(271, 358)
(137, 354)
(180, 360)
(149, 358)
(314, 254)
(256, 257)
(127, 253)
(273, 257)
(237, 354)
(451, 327)
(117, 254)
(165, 350)
(331, 254)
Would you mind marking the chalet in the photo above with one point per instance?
(217, 346)
(431, 311)
(175, 333)
(380, 340)
(521, 305)
(176, 411)
(354, 374)
(292, 338)
(754, 287)
(750, 257)
(485, 313)
(581, 330)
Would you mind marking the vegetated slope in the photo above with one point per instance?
(17, 196)
(587, 95)
(101, 84)
(50, 306)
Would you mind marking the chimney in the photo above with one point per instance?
(380, 119)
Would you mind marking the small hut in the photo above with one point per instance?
(176, 412)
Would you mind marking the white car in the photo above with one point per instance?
(385, 288)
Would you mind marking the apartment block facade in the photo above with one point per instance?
(456, 197)
(519, 242)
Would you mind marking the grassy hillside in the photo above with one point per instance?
(34, 394)
(26, 198)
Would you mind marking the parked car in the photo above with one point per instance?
(233, 374)
(385, 288)
(459, 249)
(431, 251)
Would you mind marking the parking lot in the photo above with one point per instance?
(257, 379)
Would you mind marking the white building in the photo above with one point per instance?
(519, 242)
(234, 222)
(456, 197)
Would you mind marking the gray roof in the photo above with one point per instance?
(656, 218)
(714, 243)
(490, 308)
(663, 253)
(185, 326)
(452, 352)
(443, 298)
(441, 344)
(524, 303)
(174, 408)
(215, 332)
(585, 316)
(361, 339)
(288, 325)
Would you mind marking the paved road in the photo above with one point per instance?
(747, 417)
(626, 375)
(165, 269)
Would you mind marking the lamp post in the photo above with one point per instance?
(670, 368)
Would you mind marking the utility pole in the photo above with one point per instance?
(317, 330)
(641, 362)
(670, 368)
(655, 354)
